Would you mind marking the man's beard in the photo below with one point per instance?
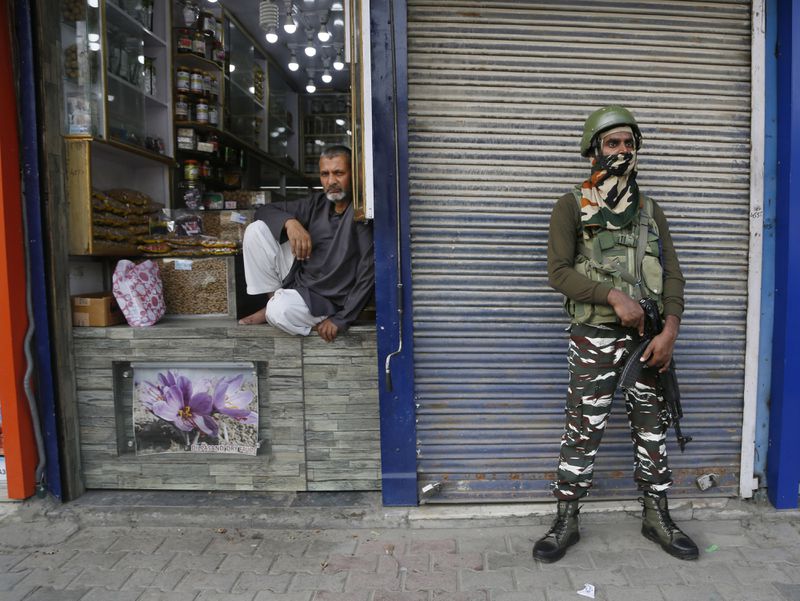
(336, 196)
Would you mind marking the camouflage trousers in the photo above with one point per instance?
(596, 358)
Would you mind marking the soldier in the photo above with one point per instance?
(595, 259)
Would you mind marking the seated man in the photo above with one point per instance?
(311, 258)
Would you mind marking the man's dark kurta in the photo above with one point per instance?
(337, 280)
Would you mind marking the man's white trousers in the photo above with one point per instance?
(266, 264)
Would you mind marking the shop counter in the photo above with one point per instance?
(316, 413)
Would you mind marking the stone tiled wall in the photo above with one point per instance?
(318, 412)
(342, 423)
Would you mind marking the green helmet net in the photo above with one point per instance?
(606, 118)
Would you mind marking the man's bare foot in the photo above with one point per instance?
(256, 318)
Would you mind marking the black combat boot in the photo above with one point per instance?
(659, 527)
(563, 534)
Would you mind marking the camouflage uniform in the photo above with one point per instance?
(596, 358)
(605, 237)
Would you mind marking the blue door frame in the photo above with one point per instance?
(393, 251)
(783, 469)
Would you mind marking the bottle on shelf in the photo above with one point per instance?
(183, 41)
(182, 108)
(183, 79)
(201, 111)
(199, 44)
(196, 81)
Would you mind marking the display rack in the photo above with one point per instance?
(117, 126)
(282, 117)
(245, 84)
(326, 122)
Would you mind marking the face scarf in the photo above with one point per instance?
(610, 197)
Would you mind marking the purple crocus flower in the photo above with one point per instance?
(229, 399)
(150, 394)
(184, 409)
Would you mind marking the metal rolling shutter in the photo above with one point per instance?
(498, 92)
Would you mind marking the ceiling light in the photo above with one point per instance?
(252, 89)
(293, 64)
(94, 46)
(338, 22)
(323, 34)
(93, 3)
(231, 68)
(310, 87)
(268, 19)
(340, 122)
(336, 6)
(289, 26)
(326, 76)
(310, 50)
(94, 37)
(338, 63)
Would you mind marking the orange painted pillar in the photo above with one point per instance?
(18, 441)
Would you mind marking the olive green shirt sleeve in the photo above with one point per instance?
(561, 248)
(674, 282)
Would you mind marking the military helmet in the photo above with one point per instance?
(606, 118)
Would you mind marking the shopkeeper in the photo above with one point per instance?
(311, 258)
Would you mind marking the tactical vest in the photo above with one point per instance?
(616, 257)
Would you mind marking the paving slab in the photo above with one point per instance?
(347, 547)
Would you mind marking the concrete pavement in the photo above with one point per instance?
(346, 547)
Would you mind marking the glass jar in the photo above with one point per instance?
(190, 13)
(214, 87)
(218, 25)
(206, 83)
(219, 53)
(213, 115)
(199, 44)
(196, 81)
(184, 40)
(208, 24)
(182, 79)
(191, 170)
(201, 111)
(191, 193)
(205, 169)
(213, 139)
(181, 108)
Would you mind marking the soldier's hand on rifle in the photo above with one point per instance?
(658, 353)
(628, 310)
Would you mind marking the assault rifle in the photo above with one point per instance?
(667, 382)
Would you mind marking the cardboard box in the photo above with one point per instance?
(96, 309)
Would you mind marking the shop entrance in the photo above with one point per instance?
(498, 93)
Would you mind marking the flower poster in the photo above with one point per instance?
(195, 408)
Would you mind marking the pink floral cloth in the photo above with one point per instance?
(139, 292)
